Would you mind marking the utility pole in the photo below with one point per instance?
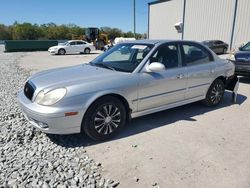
(233, 28)
(183, 20)
(134, 21)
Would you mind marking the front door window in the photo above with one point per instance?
(168, 55)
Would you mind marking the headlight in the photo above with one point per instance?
(50, 97)
(231, 57)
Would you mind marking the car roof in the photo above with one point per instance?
(146, 41)
(212, 40)
(76, 41)
(208, 41)
(159, 41)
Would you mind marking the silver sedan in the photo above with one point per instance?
(131, 79)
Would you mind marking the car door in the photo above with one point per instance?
(158, 89)
(79, 46)
(72, 48)
(200, 69)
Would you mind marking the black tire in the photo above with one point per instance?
(104, 119)
(87, 51)
(215, 93)
(61, 52)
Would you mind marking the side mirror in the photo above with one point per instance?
(240, 48)
(155, 67)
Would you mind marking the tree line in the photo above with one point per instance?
(52, 31)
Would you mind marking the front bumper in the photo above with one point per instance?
(52, 51)
(51, 120)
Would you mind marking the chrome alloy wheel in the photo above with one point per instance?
(107, 119)
(216, 93)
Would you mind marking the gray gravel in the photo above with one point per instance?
(29, 158)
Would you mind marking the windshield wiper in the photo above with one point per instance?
(102, 65)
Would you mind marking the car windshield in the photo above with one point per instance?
(123, 57)
(246, 47)
(63, 44)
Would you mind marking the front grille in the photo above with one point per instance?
(29, 90)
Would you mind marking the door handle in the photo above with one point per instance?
(180, 76)
(212, 70)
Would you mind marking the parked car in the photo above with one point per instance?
(131, 79)
(72, 46)
(241, 59)
(218, 46)
(117, 40)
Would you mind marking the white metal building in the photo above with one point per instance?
(227, 20)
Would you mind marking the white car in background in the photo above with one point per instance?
(71, 47)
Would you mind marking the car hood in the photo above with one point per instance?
(242, 56)
(242, 53)
(58, 46)
(63, 77)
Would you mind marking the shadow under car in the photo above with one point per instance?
(149, 122)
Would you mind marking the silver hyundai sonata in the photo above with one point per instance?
(131, 79)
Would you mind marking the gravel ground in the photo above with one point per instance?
(29, 158)
(189, 146)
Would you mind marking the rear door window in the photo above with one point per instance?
(194, 54)
(79, 43)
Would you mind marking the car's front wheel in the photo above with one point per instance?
(61, 52)
(215, 93)
(104, 119)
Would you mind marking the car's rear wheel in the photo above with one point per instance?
(61, 52)
(87, 51)
(215, 93)
(104, 119)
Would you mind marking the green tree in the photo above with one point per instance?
(25, 31)
(74, 31)
(5, 32)
(28, 31)
(112, 32)
(129, 34)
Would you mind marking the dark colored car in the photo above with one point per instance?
(218, 46)
(241, 60)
